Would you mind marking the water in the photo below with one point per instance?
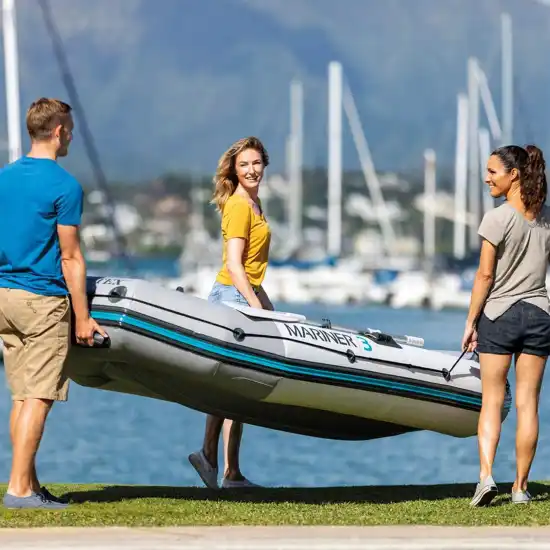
(145, 267)
(106, 437)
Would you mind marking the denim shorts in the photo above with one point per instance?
(523, 328)
(227, 293)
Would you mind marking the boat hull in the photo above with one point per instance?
(274, 370)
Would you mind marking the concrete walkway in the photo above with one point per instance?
(280, 538)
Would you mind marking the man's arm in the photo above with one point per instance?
(74, 268)
(74, 272)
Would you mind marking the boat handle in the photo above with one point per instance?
(447, 373)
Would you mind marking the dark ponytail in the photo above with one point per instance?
(530, 164)
(533, 185)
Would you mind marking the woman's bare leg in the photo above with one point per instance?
(529, 373)
(211, 438)
(494, 371)
(232, 435)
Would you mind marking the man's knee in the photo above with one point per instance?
(46, 402)
(38, 404)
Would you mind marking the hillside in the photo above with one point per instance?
(167, 85)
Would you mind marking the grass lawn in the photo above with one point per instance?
(103, 505)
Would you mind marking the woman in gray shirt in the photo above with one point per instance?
(509, 312)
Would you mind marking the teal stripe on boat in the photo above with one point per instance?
(126, 319)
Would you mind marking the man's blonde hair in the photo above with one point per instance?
(44, 115)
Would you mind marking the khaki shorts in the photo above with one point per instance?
(36, 334)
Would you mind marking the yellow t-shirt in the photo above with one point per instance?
(240, 220)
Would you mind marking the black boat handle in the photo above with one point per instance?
(447, 373)
(100, 341)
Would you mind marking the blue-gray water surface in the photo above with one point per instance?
(105, 437)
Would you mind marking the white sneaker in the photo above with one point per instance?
(238, 484)
(206, 471)
(521, 497)
(486, 491)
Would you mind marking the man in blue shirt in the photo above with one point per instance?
(41, 263)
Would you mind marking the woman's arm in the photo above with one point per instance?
(264, 299)
(483, 281)
(234, 264)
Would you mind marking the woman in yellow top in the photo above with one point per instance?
(246, 239)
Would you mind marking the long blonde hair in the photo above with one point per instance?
(225, 180)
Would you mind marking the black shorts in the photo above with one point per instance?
(523, 328)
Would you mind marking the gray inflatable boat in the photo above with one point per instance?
(273, 369)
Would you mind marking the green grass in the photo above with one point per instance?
(102, 505)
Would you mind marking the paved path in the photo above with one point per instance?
(277, 538)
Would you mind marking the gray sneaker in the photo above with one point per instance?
(35, 500)
(486, 491)
(206, 471)
(521, 497)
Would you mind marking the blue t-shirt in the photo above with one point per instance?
(36, 195)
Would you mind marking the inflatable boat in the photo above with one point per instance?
(273, 369)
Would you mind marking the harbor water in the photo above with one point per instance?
(111, 438)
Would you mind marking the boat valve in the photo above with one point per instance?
(117, 293)
(239, 334)
(351, 356)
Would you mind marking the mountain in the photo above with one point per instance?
(168, 85)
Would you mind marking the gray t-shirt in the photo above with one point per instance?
(523, 249)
